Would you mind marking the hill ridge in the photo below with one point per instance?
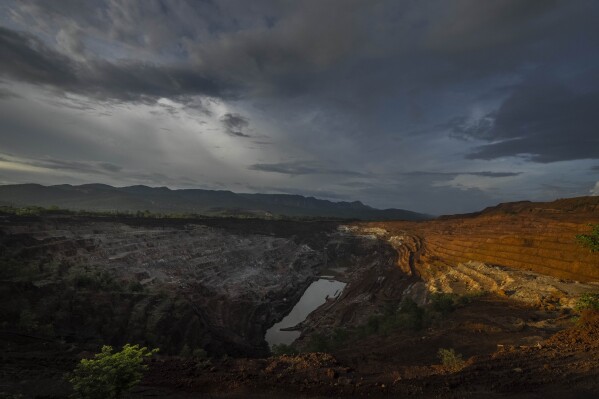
(103, 197)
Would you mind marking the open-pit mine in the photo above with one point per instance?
(280, 308)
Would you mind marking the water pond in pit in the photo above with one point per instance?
(313, 297)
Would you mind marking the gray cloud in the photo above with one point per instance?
(222, 43)
(31, 60)
(545, 120)
(93, 167)
(302, 168)
(110, 167)
(454, 174)
(494, 174)
(466, 129)
(235, 124)
(7, 94)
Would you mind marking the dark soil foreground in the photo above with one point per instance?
(566, 365)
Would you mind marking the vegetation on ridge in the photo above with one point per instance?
(591, 240)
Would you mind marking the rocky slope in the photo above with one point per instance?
(164, 283)
(536, 237)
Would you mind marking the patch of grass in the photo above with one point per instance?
(588, 301)
(451, 360)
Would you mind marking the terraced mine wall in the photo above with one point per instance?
(535, 237)
(529, 236)
(180, 285)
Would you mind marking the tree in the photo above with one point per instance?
(591, 240)
(110, 375)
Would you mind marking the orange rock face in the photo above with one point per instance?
(540, 237)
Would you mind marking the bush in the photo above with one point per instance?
(588, 301)
(443, 303)
(591, 240)
(451, 360)
(200, 354)
(110, 375)
(410, 315)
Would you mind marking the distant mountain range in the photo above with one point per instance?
(101, 197)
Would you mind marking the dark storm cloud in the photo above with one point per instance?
(29, 59)
(309, 46)
(465, 129)
(494, 174)
(302, 168)
(110, 167)
(235, 124)
(545, 120)
(363, 89)
(24, 57)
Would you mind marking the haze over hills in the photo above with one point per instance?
(101, 197)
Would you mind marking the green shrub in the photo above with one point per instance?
(199, 353)
(590, 241)
(410, 315)
(451, 360)
(110, 375)
(588, 301)
(443, 302)
(470, 297)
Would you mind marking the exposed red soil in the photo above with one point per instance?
(532, 236)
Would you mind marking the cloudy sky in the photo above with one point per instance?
(435, 106)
